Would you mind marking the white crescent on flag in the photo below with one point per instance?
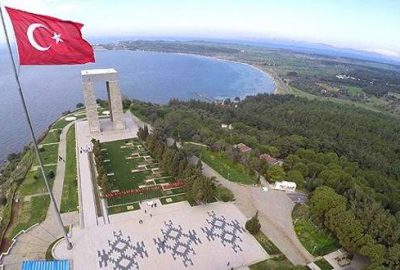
(32, 41)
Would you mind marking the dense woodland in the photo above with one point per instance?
(347, 158)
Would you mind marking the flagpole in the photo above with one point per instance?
(35, 146)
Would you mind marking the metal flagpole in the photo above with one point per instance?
(36, 149)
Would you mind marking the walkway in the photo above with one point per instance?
(60, 172)
(275, 215)
(87, 204)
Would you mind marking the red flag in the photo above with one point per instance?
(44, 40)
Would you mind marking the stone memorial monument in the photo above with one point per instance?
(110, 77)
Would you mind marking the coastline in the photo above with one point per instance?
(216, 58)
(271, 76)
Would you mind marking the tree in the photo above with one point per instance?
(324, 199)
(296, 177)
(253, 225)
(203, 189)
(80, 105)
(393, 260)
(50, 174)
(224, 194)
(302, 168)
(126, 103)
(275, 173)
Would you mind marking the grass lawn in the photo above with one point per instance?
(124, 208)
(122, 167)
(354, 91)
(223, 165)
(317, 241)
(49, 154)
(268, 246)
(52, 137)
(31, 212)
(69, 199)
(277, 263)
(32, 186)
(176, 198)
(61, 123)
(323, 264)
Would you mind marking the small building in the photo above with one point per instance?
(226, 126)
(285, 186)
(243, 148)
(271, 160)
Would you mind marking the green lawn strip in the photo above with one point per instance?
(323, 264)
(31, 212)
(277, 263)
(174, 199)
(123, 208)
(268, 246)
(174, 191)
(52, 136)
(34, 183)
(49, 154)
(49, 254)
(135, 197)
(69, 199)
(61, 123)
(316, 240)
(163, 180)
(223, 165)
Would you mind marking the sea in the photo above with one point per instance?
(147, 76)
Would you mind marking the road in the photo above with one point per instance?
(275, 215)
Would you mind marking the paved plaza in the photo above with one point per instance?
(175, 236)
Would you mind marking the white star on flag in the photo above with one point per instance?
(57, 38)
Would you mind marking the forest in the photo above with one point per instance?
(347, 158)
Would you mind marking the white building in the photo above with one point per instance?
(226, 126)
(285, 186)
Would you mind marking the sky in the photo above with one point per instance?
(370, 25)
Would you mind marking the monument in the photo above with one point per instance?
(110, 77)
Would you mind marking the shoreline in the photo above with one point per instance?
(275, 90)
(216, 58)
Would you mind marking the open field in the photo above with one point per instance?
(227, 168)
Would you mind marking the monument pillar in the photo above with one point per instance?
(110, 77)
(91, 108)
(115, 101)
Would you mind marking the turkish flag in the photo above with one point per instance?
(44, 40)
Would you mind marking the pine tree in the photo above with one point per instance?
(253, 225)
